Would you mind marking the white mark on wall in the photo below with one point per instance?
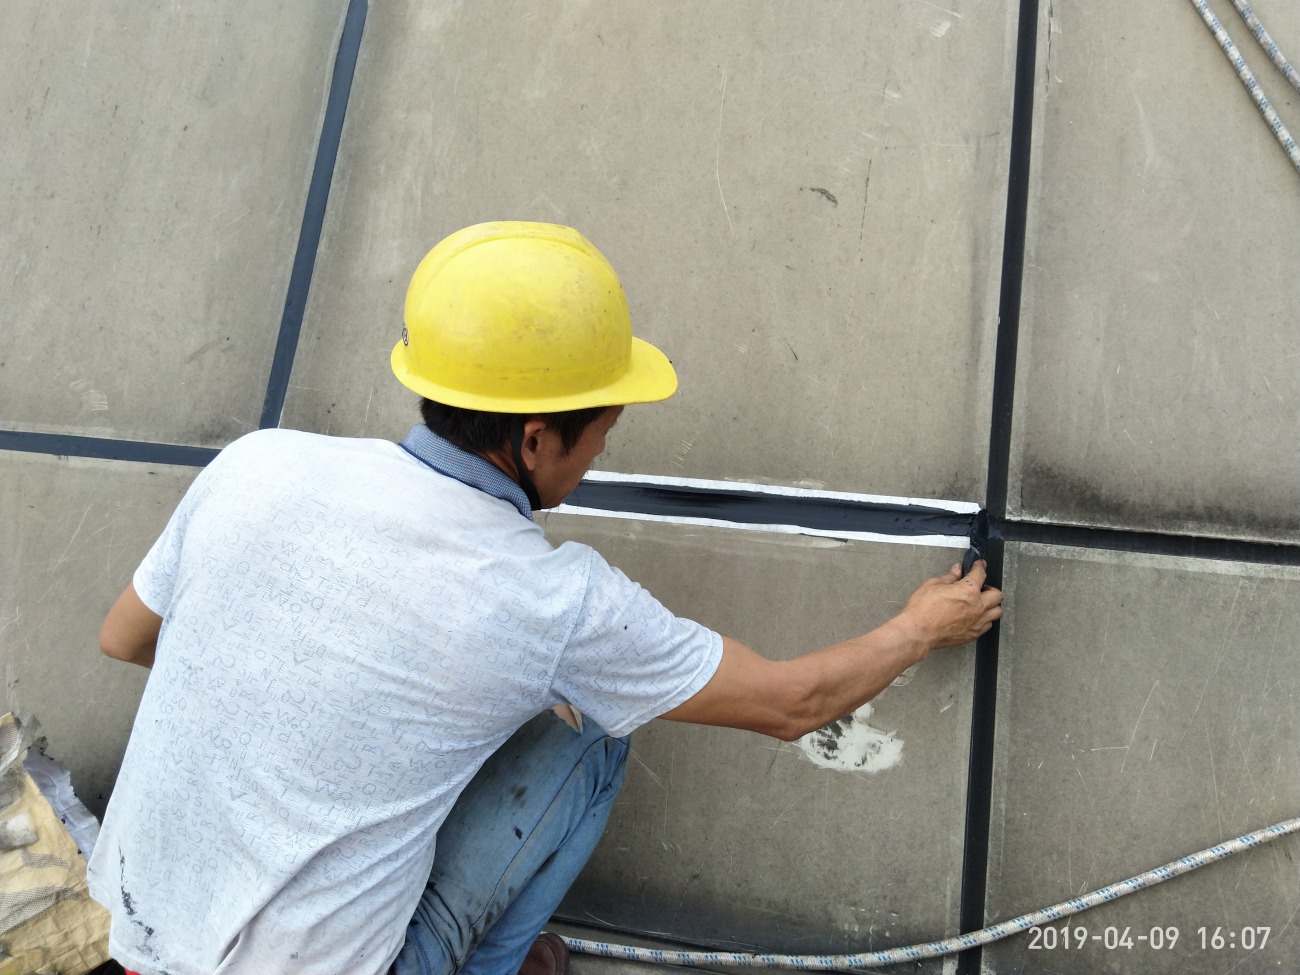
(683, 448)
(895, 96)
(92, 400)
(852, 745)
(941, 28)
(1148, 137)
(541, 200)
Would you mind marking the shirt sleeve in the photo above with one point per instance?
(155, 579)
(629, 659)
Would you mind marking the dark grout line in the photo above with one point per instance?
(100, 448)
(1151, 543)
(979, 778)
(313, 218)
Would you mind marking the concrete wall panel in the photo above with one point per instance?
(727, 837)
(804, 203)
(157, 158)
(1159, 378)
(1148, 708)
(73, 533)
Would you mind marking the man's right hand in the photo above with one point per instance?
(951, 609)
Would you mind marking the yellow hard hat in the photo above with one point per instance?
(517, 317)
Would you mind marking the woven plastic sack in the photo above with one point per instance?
(48, 923)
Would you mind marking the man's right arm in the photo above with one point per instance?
(130, 630)
(790, 698)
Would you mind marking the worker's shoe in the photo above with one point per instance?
(549, 955)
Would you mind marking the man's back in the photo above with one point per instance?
(349, 635)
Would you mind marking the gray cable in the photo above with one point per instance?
(1266, 42)
(948, 946)
(1248, 79)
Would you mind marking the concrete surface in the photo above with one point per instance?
(1159, 380)
(1148, 708)
(713, 836)
(74, 531)
(156, 162)
(804, 203)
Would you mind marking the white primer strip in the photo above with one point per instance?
(938, 541)
(958, 507)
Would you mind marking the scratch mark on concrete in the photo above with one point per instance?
(950, 13)
(657, 781)
(1227, 642)
(862, 234)
(64, 557)
(1135, 726)
(205, 347)
(717, 156)
(1214, 780)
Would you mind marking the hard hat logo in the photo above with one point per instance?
(517, 317)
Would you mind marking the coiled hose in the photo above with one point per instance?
(948, 946)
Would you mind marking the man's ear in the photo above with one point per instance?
(530, 447)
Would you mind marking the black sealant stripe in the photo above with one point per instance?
(760, 508)
(313, 218)
(979, 780)
(63, 445)
(634, 498)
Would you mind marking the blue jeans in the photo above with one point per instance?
(511, 847)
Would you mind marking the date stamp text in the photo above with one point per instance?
(1074, 937)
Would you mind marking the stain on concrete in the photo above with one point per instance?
(826, 193)
(1058, 494)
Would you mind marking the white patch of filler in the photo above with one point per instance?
(852, 745)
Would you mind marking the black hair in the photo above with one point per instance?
(478, 431)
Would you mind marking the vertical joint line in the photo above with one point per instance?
(979, 783)
(313, 218)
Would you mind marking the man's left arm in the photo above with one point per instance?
(130, 630)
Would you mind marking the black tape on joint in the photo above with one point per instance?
(982, 531)
(742, 507)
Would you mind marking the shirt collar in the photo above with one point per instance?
(471, 469)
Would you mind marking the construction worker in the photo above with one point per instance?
(387, 719)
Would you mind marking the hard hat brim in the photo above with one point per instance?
(649, 378)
